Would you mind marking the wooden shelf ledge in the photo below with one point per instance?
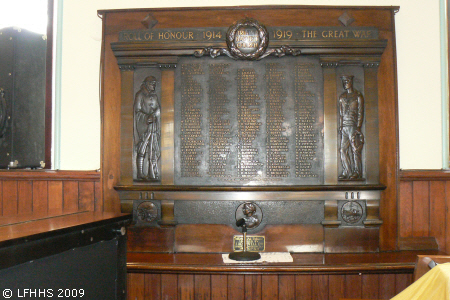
(307, 263)
(296, 188)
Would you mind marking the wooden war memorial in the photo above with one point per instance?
(285, 116)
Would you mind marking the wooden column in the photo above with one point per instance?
(126, 125)
(330, 122)
(167, 124)
(371, 130)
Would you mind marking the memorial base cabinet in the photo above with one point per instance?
(296, 220)
(273, 287)
(309, 276)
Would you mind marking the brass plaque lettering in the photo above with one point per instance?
(249, 39)
(254, 243)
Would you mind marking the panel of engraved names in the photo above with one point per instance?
(306, 137)
(219, 122)
(191, 120)
(277, 141)
(249, 123)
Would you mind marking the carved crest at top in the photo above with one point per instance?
(247, 39)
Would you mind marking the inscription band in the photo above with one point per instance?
(275, 33)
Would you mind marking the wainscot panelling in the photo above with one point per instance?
(49, 192)
(424, 203)
(154, 286)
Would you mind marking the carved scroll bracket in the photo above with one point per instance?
(331, 214)
(278, 52)
(167, 214)
(373, 214)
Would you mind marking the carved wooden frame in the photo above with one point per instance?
(366, 54)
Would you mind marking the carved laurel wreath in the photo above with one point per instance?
(263, 39)
(235, 53)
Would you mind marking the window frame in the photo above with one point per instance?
(49, 86)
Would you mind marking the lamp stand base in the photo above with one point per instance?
(244, 256)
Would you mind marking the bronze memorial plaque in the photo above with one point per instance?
(254, 243)
(249, 122)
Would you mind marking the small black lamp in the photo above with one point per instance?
(244, 255)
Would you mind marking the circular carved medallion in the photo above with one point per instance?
(147, 211)
(247, 39)
(352, 212)
(251, 213)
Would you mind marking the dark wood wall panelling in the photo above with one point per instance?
(49, 192)
(236, 287)
(424, 202)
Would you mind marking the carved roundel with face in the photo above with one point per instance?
(352, 212)
(247, 39)
(147, 211)
(251, 213)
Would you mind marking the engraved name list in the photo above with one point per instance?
(256, 123)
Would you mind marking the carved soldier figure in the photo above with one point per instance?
(147, 113)
(249, 209)
(351, 115)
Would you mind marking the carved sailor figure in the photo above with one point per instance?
(147, 114)
(351, 116)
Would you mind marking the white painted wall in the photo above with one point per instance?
(418, 54)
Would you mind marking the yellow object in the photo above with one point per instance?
(434, 285)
